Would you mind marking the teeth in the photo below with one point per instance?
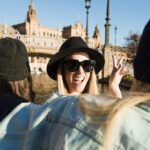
(79, 79)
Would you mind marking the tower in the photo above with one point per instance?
(31, 15)
(31, 22)
(97, 37)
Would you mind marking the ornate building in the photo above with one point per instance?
(31, 26)
(78, 30)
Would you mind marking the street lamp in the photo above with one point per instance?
(106, 45)
(107, 25)
(87, 6)
(115, 36)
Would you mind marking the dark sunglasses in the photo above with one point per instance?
(73, 65)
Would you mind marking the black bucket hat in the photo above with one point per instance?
(70, 46)
(14, 64)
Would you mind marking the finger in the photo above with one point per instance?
(123, 68)
(119, 68)
(114, 60)
(120, 61)
(124, 72)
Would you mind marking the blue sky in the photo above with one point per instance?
(127, 15)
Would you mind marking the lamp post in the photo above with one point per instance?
(87, 6)
(107, 26)
(115, 36)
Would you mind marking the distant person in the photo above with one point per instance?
(15, 78)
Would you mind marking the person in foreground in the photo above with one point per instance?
(85, 122)
(15, 79)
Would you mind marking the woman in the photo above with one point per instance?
(74, 67)
(15, 79)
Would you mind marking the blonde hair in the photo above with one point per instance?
(91, 87)
(113, 109)
(117, 110)
(60, 83)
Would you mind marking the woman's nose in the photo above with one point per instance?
(80, 70)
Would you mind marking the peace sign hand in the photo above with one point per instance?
(117, 73)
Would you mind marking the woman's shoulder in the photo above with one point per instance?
(8, 103)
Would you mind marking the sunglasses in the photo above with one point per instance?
(73, 65)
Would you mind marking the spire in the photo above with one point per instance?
(96, 32)
(31, 12)
(5, 27)
(78, 17)
(31, 4)
(59, 30)
(107, 25)
(96, 28)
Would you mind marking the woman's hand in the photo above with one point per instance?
(117, 73)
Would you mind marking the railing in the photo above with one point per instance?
(38, 41)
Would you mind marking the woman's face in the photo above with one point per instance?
(76, 81)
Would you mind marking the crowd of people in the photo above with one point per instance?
(76, 116)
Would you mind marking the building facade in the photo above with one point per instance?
(31, 26)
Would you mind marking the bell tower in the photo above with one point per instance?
(97, 37)
(31, 21)
(31, 12)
